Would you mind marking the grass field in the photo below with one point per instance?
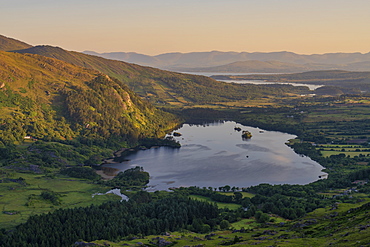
(245, 194)
(348, 150)
(19, 201)
(349, 153)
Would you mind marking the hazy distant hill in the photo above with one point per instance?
(130, 57)
(186, 61)
(9, 44)
(255, 66)
(359, 66)
(353, 82)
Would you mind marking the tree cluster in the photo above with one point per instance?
(131, 178)
(112, 221)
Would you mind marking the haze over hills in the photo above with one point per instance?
(193, 60)
(335, 82)
(214, 61)
(255, 66)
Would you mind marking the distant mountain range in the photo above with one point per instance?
(245, 62)
(170, 88)
(154, 85)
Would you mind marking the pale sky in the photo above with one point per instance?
(159, 26)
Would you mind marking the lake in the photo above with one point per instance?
(263, 82)
(216, 155)
(208, 74)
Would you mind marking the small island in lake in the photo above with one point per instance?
(237, 128)
(246, 134)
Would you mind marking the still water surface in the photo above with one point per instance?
(216, 155)
(310, 86)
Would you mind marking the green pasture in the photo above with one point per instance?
(348, 150)
(340, 146)
(25, 200)
(246, 223)
(350, 154)
(245, 194)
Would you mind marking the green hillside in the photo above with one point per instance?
(49, 99)
(166, 87)
(9, 44)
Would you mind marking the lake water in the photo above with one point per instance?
(209, 74)
(310, 86)
(216, 155)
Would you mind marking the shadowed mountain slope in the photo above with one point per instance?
(9, 44)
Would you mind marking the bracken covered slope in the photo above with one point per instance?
(48, 98)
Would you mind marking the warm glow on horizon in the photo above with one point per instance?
(162, 26)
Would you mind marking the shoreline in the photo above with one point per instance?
(119, 156)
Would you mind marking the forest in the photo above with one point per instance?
(113, 221)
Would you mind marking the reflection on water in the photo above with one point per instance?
(310, 86)
(215, 155)
(263, 82)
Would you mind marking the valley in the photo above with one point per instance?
(63, 113)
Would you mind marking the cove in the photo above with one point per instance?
(215, 155)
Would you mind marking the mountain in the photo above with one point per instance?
(159, 86)
(50, 99)
(359, 66)
(255, 66)
(130, 57)
(186, 61)
(9, 44)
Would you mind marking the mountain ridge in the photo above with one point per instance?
(255, 66)
(181, 61)
(58, 100)
(9, 44)
(156, 85)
